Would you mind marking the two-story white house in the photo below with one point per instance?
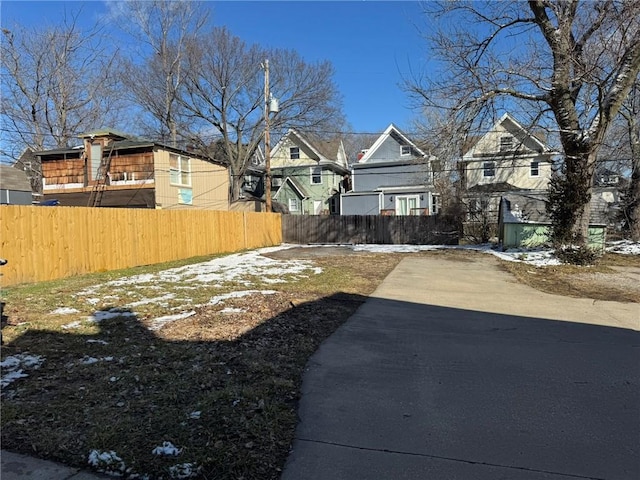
(507, 158)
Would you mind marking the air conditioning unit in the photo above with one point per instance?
(276, 182)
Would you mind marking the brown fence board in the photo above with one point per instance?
(367, 229)
(46, 243)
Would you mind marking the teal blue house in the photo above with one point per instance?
(308, 174)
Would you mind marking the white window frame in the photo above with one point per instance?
(181, 172)
(408, 198)
(294, 204)
(313, 174)
(405, 150)
(489, 169)
(506, 143)
(294, 153)
(534, 166)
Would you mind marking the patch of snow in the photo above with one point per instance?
(101, 342)
(64, 311)
(11, 377)
(146, 301)
(13, 366)
(107, 462)
(184, 470)
(166, 449)
(231, 268)
(102, 315)
(232, 310)
(195, 415)
(72, 325)
(624, 247)
(538, 258)
(91, 360)
(158, 323)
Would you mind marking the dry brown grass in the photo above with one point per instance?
(242, 372)
(615, 277)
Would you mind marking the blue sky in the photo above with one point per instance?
(371, 44)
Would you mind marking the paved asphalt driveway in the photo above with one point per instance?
(454, 371)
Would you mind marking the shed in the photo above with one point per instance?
(524, 222)
(15, 187)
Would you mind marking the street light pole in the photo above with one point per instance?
(267, 137)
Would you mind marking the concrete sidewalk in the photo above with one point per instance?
(21, 467)
(453, 370)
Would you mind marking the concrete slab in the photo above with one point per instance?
(14, 466)
(454, 387)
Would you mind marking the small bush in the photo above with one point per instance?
(577, 255)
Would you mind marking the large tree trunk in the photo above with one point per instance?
(632, 202)
(584, 185)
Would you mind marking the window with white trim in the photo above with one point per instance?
(506, 144)
(294, 153)
(405, 150)
(489, 169)
(316, 175)
(535, 169)
(294, 205)
(179, 170)
(407, 204)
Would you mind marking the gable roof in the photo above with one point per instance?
(327, 152)
(295, 186)
(391, 132)
(525, 136)
(13, 179)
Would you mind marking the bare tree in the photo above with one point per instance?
(154, 72)
(224, 96)
(630, 112)
(570, 63)
(56, 82)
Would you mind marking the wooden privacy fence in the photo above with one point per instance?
(46, 243)
(417, 230)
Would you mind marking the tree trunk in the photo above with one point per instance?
(632, 202)
(584, 185)
(235, 186)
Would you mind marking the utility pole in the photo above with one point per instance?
(267, 137)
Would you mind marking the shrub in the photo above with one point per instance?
(577, 255)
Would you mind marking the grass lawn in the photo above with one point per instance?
(193, 369)
(173, 373)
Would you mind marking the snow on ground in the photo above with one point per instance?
(166, 449)
(64, 311)
(243, 268)
(158, 323)
(14, 366)
(624, 247)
